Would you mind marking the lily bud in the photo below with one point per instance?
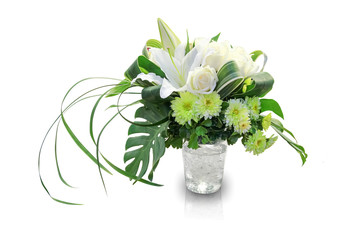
(168, 38)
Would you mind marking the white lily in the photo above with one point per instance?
(176, 69)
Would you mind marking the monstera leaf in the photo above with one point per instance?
(150, 140)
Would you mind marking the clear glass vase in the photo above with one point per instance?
(204, 167)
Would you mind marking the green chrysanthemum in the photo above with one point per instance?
(253, 104)
(266, 122)
(243, 126)
(256, 143)
(208, 105)
(270, 141)
(184, 108)
(237, 115)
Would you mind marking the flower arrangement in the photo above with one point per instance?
(197, 92)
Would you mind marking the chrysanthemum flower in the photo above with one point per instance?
(243, 126)
(237, 115)
(184, 108)
(253, 104)
(208, 105)
(256, 143)
(270, 141)
(266, 122)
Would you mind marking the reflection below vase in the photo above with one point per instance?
(203, 206)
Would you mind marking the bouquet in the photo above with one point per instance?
(193, 92)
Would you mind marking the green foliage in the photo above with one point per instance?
(187, 48)
(143, 65)
(262, 84)
(215, 38)
(230, 79)
(271, 105)
(279, 128)
(150, 140)
(152, 94)
(256, 54)
(120, 88)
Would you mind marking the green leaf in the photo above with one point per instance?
(152, 140)
(119, 170)
(56, 158)
(262, 84)
(193, 141)
(120, 88)
(215, 38)
(133, 70)
(152, 94)
(256, 54)
(207, 123)
(80, 145)
(149, 66)
(233, 138)
(200, 131)
(187, 49)
(143, 65)
(230, 79)
(300, 149)
(271, 105)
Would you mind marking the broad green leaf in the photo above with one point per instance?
(200, 131)
(119, 170)
(151, 141)
(207, 123)
(256, 54)
(262, 84)
(133, 70)
(193, 141)
(215, 38)
(143, 65)
(230, 79)
(152, 94)
(169, 40)
(271, 105)
(149, 66)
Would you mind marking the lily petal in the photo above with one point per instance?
(164, 61)
(151, 77)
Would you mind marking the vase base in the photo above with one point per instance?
(202, 188)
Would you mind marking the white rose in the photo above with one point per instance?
(215, 54)
(202, 80)
(244, 61)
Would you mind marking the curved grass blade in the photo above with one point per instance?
(92, 132)
(56, 158)
(42, 144)
(258, 53)
(71, 133)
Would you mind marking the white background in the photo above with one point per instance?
(313, 49)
